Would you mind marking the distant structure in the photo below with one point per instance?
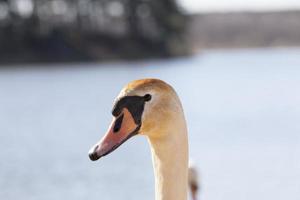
(90, 29)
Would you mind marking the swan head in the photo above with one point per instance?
(146, 107)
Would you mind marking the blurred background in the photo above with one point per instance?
(235, 65)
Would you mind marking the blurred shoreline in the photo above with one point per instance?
(244, 30)
(30, 41)
(89, 30)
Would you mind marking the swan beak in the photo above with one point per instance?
(121, 129)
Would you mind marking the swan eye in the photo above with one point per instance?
(147, 97)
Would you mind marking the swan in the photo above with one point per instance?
(151, 107)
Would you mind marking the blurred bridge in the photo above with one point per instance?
(90, 29)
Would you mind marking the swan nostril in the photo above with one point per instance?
(118, 123)
(95, 148)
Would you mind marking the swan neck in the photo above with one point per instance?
(170, 163)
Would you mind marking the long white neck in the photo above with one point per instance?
(170, 163)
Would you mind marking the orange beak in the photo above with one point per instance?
(121, 129)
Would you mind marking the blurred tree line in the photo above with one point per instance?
(70, 30)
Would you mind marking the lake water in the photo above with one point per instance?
(242, 108)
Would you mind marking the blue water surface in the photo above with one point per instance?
(242, 108)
